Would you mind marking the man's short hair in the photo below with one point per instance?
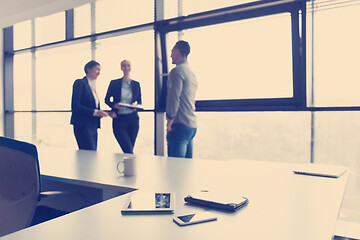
(123, 61)
(90, 65)
(183, 47)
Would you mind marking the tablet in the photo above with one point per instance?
(320, 170)
(130, 105)
(150, 203)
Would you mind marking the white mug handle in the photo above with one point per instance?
(117, 166)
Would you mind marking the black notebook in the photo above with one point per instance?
(218, 201)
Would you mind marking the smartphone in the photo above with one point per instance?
(194, 218)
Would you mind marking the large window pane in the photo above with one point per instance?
(242, 60)
(139, 49)
(191, 7)
(309, 56)
(54, 129)
(56, 71)
(22, 82)
(50, 28)
(82, 20)
(173, 8)
(23, 126)
(170, 9)
(114, 14)
(337, 142)
(336, 52)
(267, 136)
(22, 35)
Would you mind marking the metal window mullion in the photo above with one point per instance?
(299, 86)
(312, 140)
(161, 71)
(69, 24)
(312, 53)
(303, 53)
(33, 82)
(9, 82)
(180, 14)
(93, 29)
(180, 8)
(160, 68)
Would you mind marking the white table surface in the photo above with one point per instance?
(283, 205)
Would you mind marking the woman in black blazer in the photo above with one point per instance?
(85, 108)
(125, 120)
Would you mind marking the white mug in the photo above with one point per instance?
(129, 166)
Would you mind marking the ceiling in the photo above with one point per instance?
(13, 11)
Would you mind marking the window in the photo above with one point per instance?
(138, 48)
(191, 7)
(247, 59)
(265, 136)
(56, 71)
(22, 82)
(22, 35)
(170, 9)
(114, 14)
(82, 20)
(54, 129)
(23, 126)
(336, 50)
(335, 85)
(54, 24)
(175, 8)
(336, 142)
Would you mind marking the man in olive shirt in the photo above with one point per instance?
(180, 104)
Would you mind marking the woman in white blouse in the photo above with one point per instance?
(125, 91)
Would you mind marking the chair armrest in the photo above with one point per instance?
(58, 193)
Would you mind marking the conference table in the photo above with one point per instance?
(282, 205)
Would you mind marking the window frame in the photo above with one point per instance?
(297, 10)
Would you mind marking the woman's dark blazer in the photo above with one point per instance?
(83, 105)
(113, 94)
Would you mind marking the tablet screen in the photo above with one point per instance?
(162, 200)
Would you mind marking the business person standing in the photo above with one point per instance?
(125, 119)
(85, 108)
(180, 104)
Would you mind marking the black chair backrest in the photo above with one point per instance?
(19, 184)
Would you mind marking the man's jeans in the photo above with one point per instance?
(180, 141)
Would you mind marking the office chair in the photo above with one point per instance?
(20, 187)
